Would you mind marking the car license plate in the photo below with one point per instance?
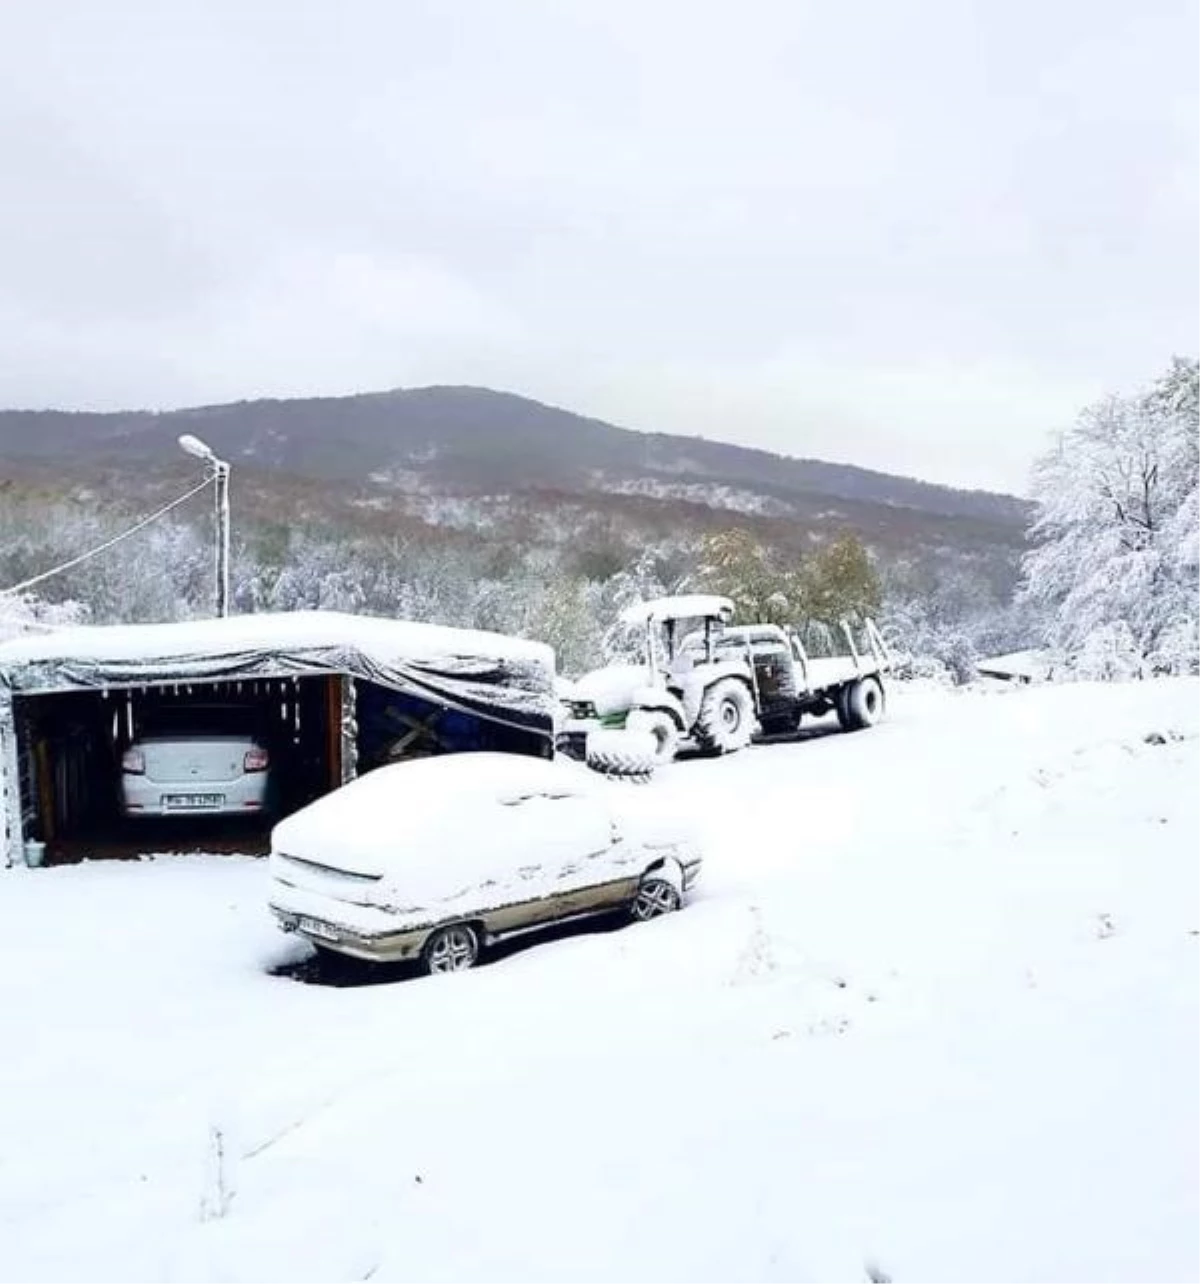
(178, 802)
(313, 927)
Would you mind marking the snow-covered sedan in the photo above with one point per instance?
(434, 859)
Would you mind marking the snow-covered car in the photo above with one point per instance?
(195, 761)
(433, 860)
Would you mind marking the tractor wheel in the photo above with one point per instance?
(661, 726)
(726, 720)
(622, 755)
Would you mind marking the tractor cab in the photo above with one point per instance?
(672, 644)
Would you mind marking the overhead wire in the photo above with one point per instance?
(103, 548)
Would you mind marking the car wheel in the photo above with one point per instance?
(655, 897)
(451, 949)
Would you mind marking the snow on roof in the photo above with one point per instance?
(687, 606)
(506, 680)
(1016, 664)
(388, 640)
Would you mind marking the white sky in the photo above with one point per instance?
(917, 237)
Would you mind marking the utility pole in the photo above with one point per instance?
(222, 506)
(220, 476)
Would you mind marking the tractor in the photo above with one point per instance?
(685, 686)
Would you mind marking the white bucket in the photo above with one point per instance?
(34, 852)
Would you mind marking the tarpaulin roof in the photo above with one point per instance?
(507, 680)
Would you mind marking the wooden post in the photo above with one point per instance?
(12, 834)
(45, 788)
(333, 730)
(349, 730)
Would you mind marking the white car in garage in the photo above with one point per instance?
(196, 760)
(433, 860)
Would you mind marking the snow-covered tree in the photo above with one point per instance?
(1116, 529)
(837, 581)
(736, 565)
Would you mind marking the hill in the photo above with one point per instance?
(478, 440)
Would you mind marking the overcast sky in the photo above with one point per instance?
(913, 236)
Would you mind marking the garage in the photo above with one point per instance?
(107, 733)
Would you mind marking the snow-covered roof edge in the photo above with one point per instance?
(502, 679)
(302, 630)
(1017, 664)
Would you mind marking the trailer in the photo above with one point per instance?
(791, 684)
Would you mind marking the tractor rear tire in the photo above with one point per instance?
(726, 720)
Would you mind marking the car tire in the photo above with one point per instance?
(864, 704)
(622, 755)
(453, 948)
(661, 726)
(726, 720)
(655, 897)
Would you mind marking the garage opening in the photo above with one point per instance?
(120, 772)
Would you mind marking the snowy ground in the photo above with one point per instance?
(932, 1013)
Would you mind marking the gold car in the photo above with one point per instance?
(435, 859)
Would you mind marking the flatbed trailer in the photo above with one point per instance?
(790, 684)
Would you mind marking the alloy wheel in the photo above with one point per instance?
(655, 897)
(453, 949)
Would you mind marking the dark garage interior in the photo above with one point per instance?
(70, 745)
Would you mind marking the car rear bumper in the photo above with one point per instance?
(242, 796)
(361, 931)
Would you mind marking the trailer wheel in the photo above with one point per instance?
(864, 704)
(661, 726)
(726, 719)
(841, 707)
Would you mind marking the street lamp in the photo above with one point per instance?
(194, 446)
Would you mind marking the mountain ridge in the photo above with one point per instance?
(474, 439)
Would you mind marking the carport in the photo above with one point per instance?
(332, 694)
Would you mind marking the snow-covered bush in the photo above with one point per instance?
(25, 613)
(1110, 654)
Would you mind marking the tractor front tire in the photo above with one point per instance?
(726, 720)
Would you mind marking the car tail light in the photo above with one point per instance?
(133, 762)
(256, 760)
